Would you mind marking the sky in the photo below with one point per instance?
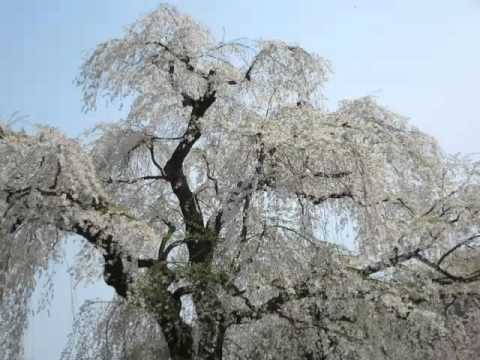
(419, 58)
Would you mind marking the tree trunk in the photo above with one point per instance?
(166, 308)
(211, 321)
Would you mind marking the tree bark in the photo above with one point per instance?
(211, 319)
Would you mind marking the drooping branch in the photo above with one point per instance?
(98, 232)
(76, 208)
(448, 277)
(456, 247)
(58, 199)
(416, 254)
(151, 148)
(115, 273)
(389, 262)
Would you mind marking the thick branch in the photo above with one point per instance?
(96, 233)
(115, 273)
(99, 230)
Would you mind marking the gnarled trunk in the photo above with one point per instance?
(211, 322)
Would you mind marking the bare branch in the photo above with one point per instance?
(456, 247)
(335, 175)
(392, 261)
(135, 180)
(151, 149)
(185, 59)
(210, 175)
(317, 200)
(417, 255)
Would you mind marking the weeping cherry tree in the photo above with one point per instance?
(236, 217)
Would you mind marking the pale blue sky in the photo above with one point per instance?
(420, 58)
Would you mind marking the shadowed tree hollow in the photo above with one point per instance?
(218, 207)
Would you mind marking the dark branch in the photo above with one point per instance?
(389, 262)
(199, 245)
(248, 73)
(184, 59)
(115, 274)
(337, 175)
(162, 252)
(246, 206)
(456, 247)
(317, 200)
(174, 165)
(448, 277)
(181, 291)
(172, 246)
(135, 180)
(416, 254)
(151, 149)
(272, 306)
(210, 175)
(405, 205)
(146, 263)
(57, 175)
(244, 190)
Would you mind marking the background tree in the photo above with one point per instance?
(214, 205)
